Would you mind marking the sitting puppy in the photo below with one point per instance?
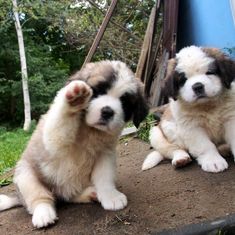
(201, 113)
(72, 152)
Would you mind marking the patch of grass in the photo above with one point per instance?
(143, 132)
(12, 144)
(6, 181)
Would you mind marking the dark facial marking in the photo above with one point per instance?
(135, 107)
(173, 83)
(141, 108)
(226, 71)
(212, 70)
(225, 66)
(102, 87)
(181, 79)
(128, 102)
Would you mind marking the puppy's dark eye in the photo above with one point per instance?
(211, 72)
(213, 69)
(100, 89)
(182, 79)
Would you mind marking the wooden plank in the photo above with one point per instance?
(170, 23)
(144, 50)
(151, 53)
(155, 91)
(151, 32)
(152, 65)
(101, 31)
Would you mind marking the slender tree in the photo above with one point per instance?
(24, 74)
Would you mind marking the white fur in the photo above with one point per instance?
(197, 127)
(94, 113)
(212, 86)
(71, 156)
(200, 141)
(103, 179)
(125, 81)
(44, 215)
(152, 160)
(180, 155)
(192, 61)
(7, 202)
(188, 63)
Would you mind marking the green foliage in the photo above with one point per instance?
(57, 37)
(143, 132)
(6, 181)
(12, 144)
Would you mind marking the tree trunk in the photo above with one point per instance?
(24, 74)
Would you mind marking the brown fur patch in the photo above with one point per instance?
(94, 73)
(225, 65)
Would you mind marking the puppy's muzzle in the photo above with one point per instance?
(199, 89)
(107, 113)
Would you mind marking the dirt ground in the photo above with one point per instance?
(160, 198)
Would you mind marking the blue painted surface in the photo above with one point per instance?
(206, 23)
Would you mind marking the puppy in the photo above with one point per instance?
(72, 152)
(201, 113)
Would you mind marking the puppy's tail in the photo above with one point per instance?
(152, 160)
(7, 202)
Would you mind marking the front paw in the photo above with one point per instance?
(113, 200)
(78, 93)
(212, 164)
(181, 161)
(44, 215)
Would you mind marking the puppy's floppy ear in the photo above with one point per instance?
(170, 85)
(226, 71)
(141, 108)
(224, 64)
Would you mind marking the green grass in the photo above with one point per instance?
(143, 131)
(12, 144)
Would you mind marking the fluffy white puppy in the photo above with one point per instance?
(201, 113)
(72, 152)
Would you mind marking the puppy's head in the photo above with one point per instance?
(117, 96)
(198, 74)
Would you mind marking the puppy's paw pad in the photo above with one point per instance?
(181, 161)
(113, 200)
(214, 165)
(77, 93)
(44, 214)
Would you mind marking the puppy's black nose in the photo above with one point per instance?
(198, 88)
(107, 113)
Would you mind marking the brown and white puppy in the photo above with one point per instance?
(72, 152)
(201, 113)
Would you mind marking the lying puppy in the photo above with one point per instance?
(201, 113)
(72, 152)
